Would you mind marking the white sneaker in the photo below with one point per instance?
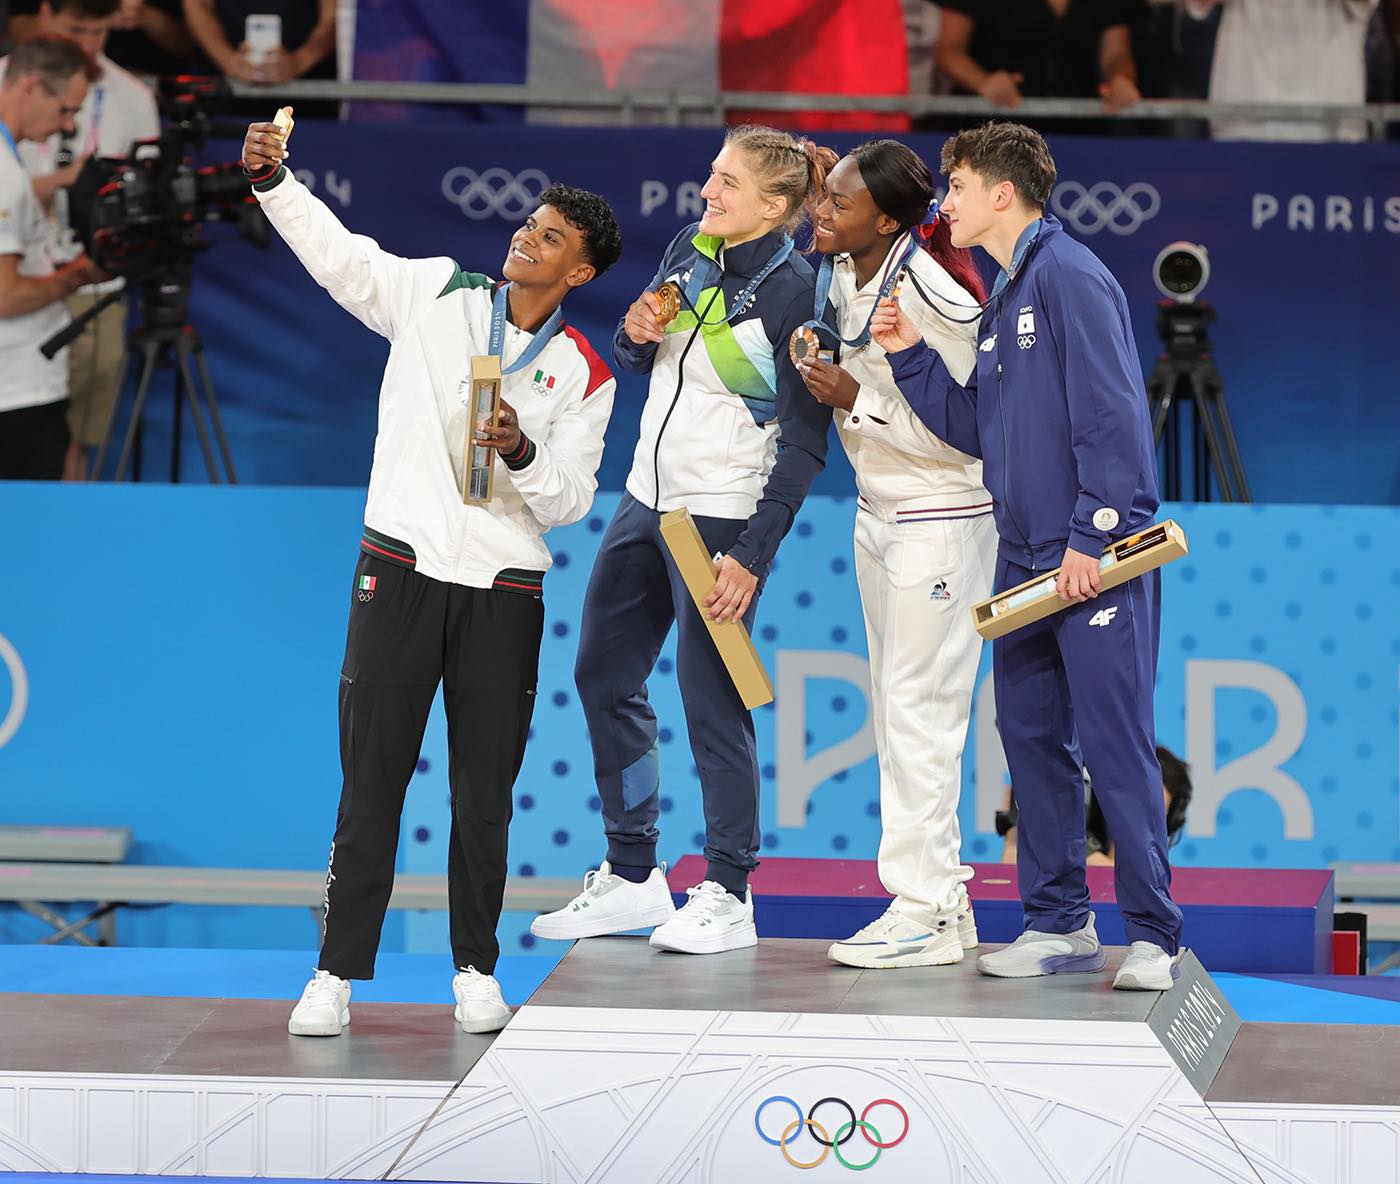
(609, 904)
(1147, 967)
(480, 1006)
(324, 1007)
(894, 939)
(710, 922)
(967, 923)
(1035, 953)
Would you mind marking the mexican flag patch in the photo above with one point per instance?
(364, 587)
(544, 383)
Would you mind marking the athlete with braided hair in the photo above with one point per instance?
(730, 433)
(925, 542)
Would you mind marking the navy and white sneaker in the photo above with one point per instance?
(711, 921)
(1035, 953)
(893, 940)
(1148, 967)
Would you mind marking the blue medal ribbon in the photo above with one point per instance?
(825, 275)
(705, 270)
(8, 137)
(498, 332)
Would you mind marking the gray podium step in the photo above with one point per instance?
(83, 1034)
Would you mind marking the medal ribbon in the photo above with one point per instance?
(498, 332)
(705, 269)
(824, 278)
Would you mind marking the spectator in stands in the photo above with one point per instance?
(1288, 51)
(1173, 52)
(45, 85)
(1176, 796)
(308, 40)
(118, 110)
(1007, 50)
(148, 37)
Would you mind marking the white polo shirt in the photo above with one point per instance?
(119, 110)
(27, 379)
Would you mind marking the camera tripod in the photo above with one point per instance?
(165, 340)
(1186, 374)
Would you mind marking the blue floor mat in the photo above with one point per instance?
(245, 974)
(1265, 1000)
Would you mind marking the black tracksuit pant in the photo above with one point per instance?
(408, 633)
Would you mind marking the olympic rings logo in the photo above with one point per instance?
(494, 192)
(844, 1133)
(19, 691)
(1105, 206)
(1026, 340)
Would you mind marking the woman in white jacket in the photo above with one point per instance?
(924, 539)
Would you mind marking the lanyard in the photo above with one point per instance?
(824, 278)
(498, 332)
(8, 137)
(99, 96)
(704, 272)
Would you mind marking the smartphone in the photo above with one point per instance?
(263, 33)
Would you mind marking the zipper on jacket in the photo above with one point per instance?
(676, 397)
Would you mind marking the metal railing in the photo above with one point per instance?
(672, 107)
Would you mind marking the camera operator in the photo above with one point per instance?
(118, 111)
(45, 85)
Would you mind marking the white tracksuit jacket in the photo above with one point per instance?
(437, 317)
(901, 467)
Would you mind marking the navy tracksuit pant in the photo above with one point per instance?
(1081, 681)
(634, 596)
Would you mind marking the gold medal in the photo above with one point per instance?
(284, 122)
(668, 296)
(803, 345)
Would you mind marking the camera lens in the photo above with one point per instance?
(1181, 271)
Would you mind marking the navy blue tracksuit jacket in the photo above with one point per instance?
(1057, 411)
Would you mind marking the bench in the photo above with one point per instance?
(66, 844)
(113, 887)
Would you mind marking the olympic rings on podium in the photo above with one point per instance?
(793, 1130)
(814, 1127)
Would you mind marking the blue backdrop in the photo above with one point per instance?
(180, 649)
(1304, 243)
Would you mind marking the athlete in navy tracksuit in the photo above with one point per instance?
(1057, 412)
(729, 433)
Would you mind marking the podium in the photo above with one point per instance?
(633, 1065)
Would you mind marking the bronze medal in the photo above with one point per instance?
(668, 296)
(803, 345)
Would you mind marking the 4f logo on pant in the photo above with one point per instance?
(1104, 616)
(365, 588)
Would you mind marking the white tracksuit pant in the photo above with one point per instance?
(918, 581)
